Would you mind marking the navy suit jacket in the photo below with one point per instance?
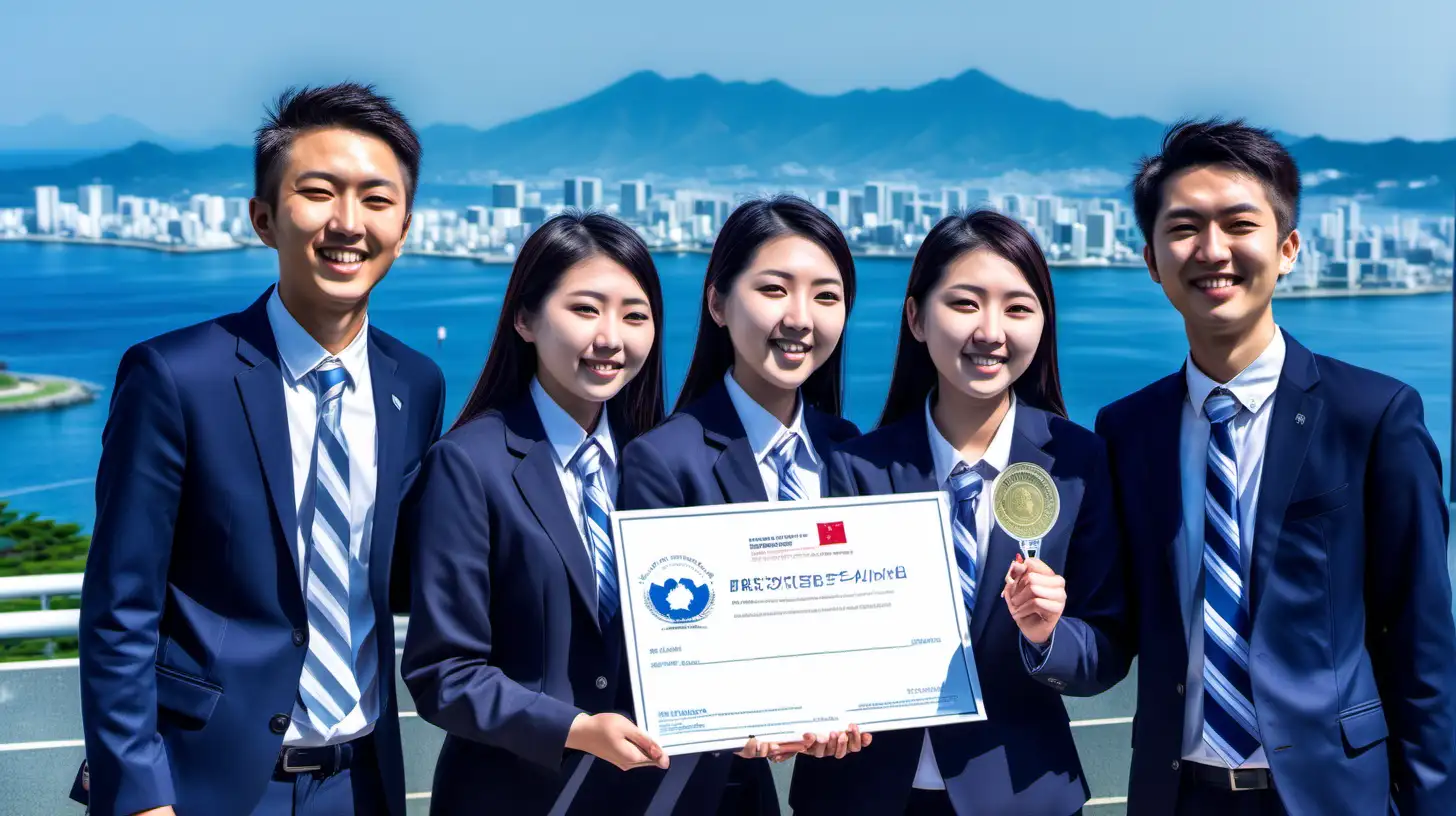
(505, 648)
(1353, 655)
(700, 456)
(1022, 759)
(193, 623)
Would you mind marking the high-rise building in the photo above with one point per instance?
(1100, 240)
(508, 194)
(978, 198)
(1351, 212)
(1046, 211)
(856, 209)
(47, 209)
(836, 203)
(877, 200)
(1079, 241)
(96, 200)
(953, 199)
(584, 193)
(903, 199)
(634, 200)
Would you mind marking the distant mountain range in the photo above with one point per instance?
(703, 129)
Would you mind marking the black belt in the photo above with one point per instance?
(322, 762)
(1229, 779)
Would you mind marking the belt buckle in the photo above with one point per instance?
(289, 767)
(1234, 781)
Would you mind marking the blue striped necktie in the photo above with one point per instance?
(329, 688)
(790, 488)
(1229, 725)
(966, 483)
(596, 505)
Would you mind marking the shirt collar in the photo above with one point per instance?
(301, 354)
(944, 456)
(1252, 387)
(565, 434)
(762, 427)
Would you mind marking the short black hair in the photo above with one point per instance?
(347, 105)
(1235, 145)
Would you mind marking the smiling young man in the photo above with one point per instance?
(1286, 526)
(237, 647)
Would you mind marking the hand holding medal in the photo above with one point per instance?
(1026, 506)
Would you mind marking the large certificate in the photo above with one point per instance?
(776, 619)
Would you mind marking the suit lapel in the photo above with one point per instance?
(390, 426)
(912, 468)
(1296, 414)
(260, 387)
(736, 469)
(817, 425)
(1028, 444)
(540, 484)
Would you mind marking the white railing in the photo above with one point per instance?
(49, 623)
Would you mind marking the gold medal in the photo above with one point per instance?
(1025, 501)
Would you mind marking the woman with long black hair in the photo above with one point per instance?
(756, 419)
(975, 392)
(515, 638)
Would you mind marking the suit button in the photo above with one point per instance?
(601, 682)
(279, 724)
(1180, 689)
(299, 637)
(1175, 764)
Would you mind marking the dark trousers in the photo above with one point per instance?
(354, 791)
(1195, 799)
(935, 803)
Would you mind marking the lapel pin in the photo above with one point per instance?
(1298, 418)
(399, 407)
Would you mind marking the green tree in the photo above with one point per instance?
(30, 545)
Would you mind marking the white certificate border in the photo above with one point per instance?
(630, 611)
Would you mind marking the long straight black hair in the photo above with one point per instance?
(1041, 384)
(559, 244)
(752, 225)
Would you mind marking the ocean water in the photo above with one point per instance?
(73, 311)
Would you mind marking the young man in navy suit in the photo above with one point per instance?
(237, 647)
(1286, 523)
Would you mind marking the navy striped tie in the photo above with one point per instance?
(966, 483)
(596, 504)
(1229, 725)
(329, 689)
(790, 488)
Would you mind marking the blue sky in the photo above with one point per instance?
(1345, 69)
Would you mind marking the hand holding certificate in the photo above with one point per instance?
(774, 620)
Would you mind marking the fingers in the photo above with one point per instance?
(841, 747)
(651, 753)
(1035, 585)
(1038, 567)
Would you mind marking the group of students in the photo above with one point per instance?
(1264, 528)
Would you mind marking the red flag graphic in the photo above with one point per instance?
(832, 532)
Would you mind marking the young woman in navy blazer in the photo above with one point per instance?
(976, 388)
(762, 398)
(515, 638)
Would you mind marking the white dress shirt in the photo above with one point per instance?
(764, 431)
(300, 354)
(944, 457)
(566, 437)
(1254, 389)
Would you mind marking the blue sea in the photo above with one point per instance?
(73, 311)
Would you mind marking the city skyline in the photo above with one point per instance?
(1341, 70)
(1342, 250)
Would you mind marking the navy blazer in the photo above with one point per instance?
(504, 647)
(1349, 594)
(700, 456)
(193, 625)
(1022, 759)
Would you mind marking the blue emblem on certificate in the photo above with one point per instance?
(679, 589)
